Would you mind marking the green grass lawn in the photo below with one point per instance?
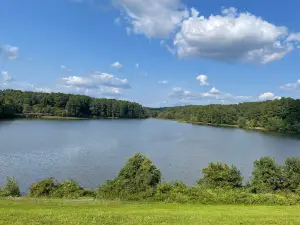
(42, 211)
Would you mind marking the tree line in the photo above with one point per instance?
(278, 115)
(15, 102)
(141, 180)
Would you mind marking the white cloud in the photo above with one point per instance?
(137, 66)
(231, 36)
(180, 93)
(96, 80)
(268, 96)
(294, 37)
(291, 86)
(117, 65)
(9, 52)
(202, 79)
(153, 18)
(108, 91)
(162, 82)
(7, 78)
(212, 94)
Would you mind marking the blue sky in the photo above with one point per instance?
(155, 52)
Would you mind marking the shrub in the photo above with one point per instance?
(68, 189)
(172, 192)
(291, 172)
(267, 176)
(138, 177)
(11, 188)
(218, 175)
(43, 188)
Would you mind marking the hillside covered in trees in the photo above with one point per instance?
(278, 115)
(13, 102)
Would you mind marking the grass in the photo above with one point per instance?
(43, 211)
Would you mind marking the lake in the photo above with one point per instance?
(92, 151)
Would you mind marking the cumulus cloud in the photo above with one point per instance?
(212, 94)
(108, 91)
(202, 79)
(294, 37)
(117, 65)
(7, 78)
(9, 52)
(153, 18)
(268, 96)
(291, 86)
(180, 93)
(162, 82)
(96, 80)
(231, 36)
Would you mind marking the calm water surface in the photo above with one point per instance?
(92, 151)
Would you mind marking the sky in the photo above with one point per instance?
(155, 52)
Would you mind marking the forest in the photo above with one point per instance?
(17, 103)
(278, 115)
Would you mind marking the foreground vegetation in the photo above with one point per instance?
(137, 196)
(35, 104)
(46, 211)
(278, 115)
(140, 180)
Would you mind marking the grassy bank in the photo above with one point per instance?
(224, 125)
(43, 211)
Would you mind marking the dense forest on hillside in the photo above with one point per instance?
(278, 115)
(13, 102)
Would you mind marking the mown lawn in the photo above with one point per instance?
(42, 211)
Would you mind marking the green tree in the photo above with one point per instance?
(11, 188)
(43, 188)
(291, 171)
(139, 175)
(267, 176)
(218, 175)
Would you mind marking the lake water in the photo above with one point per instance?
(92, 151)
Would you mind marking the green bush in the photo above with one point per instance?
(10, 188)
(137, 179)
(43, 188)
(68, 189)
(218, 175)
(267, 176)
(291, 170)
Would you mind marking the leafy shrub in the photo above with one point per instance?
(218, 175)
(68, 189)
(172, 192)
(291, 172)
(267, 176)
(138, 177)
(11, 188)
(43, 188)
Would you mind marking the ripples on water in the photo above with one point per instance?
(93, 151)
